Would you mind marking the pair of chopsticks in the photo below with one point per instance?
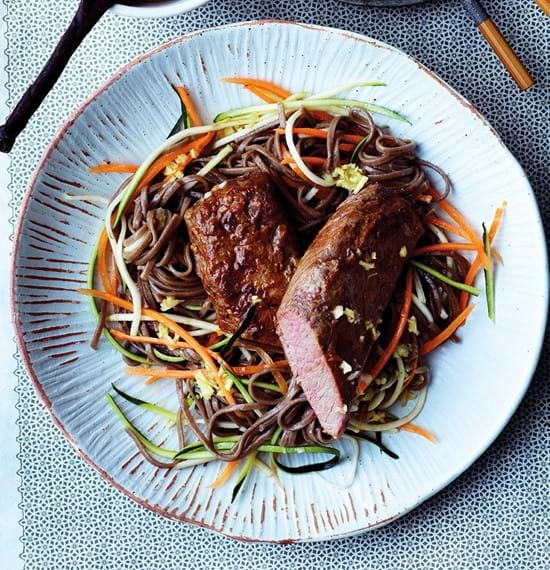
(499, 44)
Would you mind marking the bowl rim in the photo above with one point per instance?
(164, 10)
(469, 460)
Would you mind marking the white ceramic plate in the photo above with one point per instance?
(476, 385)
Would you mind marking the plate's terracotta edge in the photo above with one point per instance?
(19, 226)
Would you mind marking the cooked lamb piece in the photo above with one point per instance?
(244, 249)
(329, 314)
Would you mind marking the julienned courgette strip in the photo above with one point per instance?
(249, 315)
(489, 277)
(167, 357)
(197, 450)
(167, 453)
(377, 442)
(159, 410)
(249, 464)
(95, 311)
(183, 122)
(334, 91)
(311, 103)
(434, 273)
(240, 387)
(312, 467)
(358, 148)
(147, 443)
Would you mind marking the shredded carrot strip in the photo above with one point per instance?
(294, 166)
(287, 159)
(189, 106)
(186, 374)
(212, 339)
(447, 332)
(411, 375)
(497, 221)
(224, 475)
(266, 85)
(390, 349)
(469, 280)
(202, 351)
(437, 247)
(310, 160)
(281, 382)
(106, 168)
(114, 279)
(279, 378)
(297, 171)
(403, 316)
(161, 163)
(423, 432)
(495, 253)
(147, 339)
(476, 264)
(151, 380)
(453, 213)
(446, 226)
(348, 147)
(321, 134)
(102, 261)
(321, 115)
(263, 94)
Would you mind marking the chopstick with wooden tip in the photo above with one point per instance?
(499, 44)
(544, 5)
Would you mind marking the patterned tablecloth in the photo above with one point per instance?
(495, 516)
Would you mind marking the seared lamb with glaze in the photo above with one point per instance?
(329, 314)
(245, 251)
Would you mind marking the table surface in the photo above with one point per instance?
(495, 516)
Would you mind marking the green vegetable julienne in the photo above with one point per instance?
(249, 464)
(95, 311)
(249, 315)
(489, 277)
(358, 147)
(197, 451)
(167, 358)
(183, 122)
(434, 273)
(240, 387)
(377, 442)
(310, 468)
(312, 104)
(147, 443)
(146, 405)
(188, 452)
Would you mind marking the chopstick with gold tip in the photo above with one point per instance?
(544, 5)
(499, 44)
